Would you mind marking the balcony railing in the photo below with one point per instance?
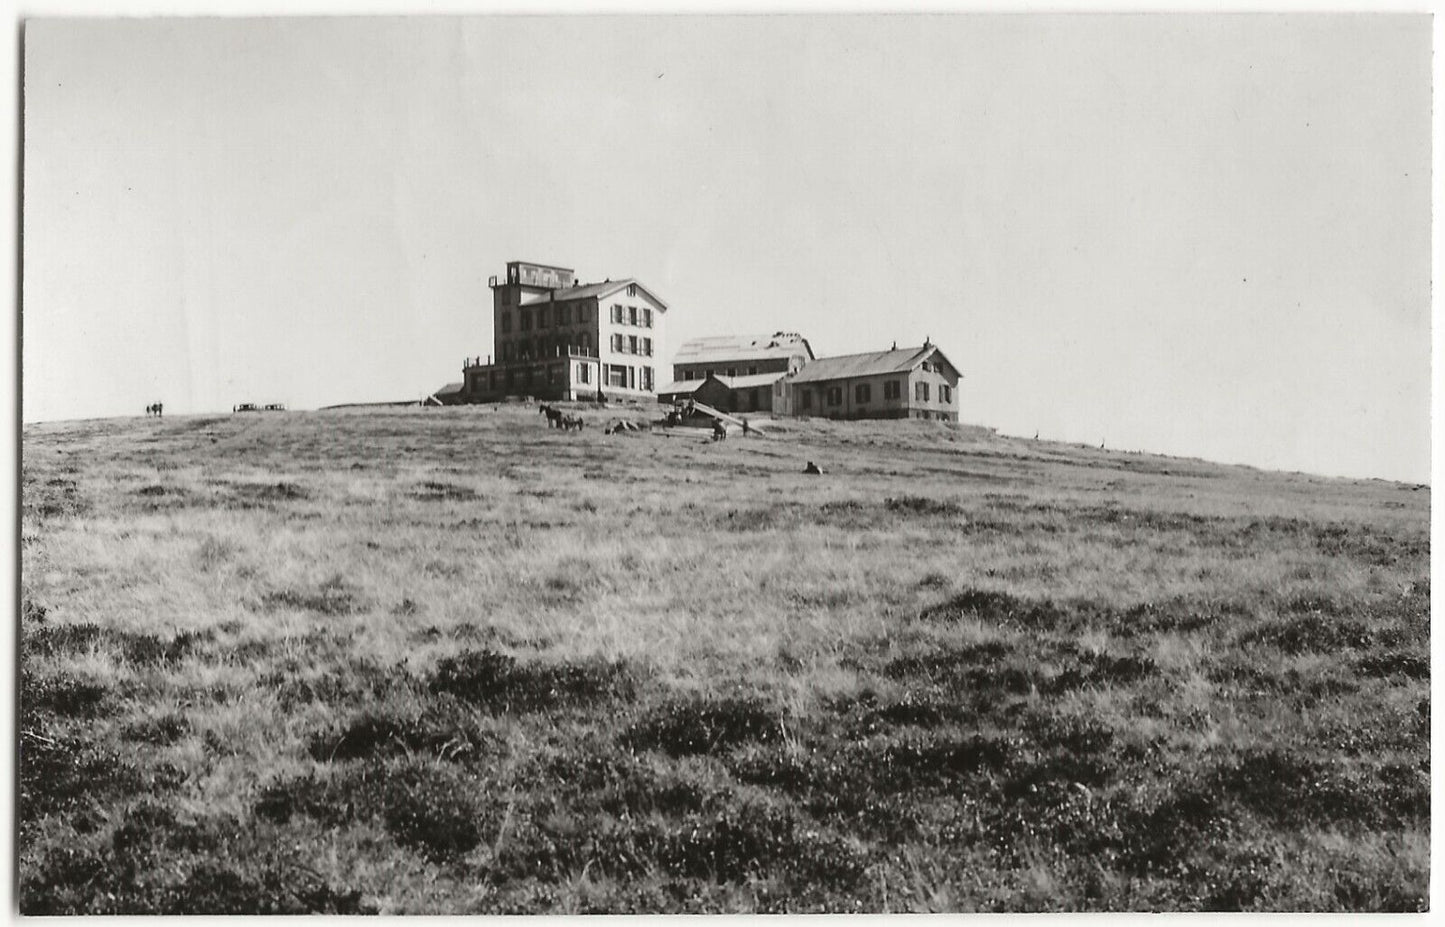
(527, 358)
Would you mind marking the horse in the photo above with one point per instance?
(554, 416)
(572, 421)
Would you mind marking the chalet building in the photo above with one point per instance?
(560, 339)
(900, 383)
(735, 374)
(753, 393)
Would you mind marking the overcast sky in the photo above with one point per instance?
(1199, 235)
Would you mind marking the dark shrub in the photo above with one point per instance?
(441, 731)
(1396, 663)
(922, 505)
(1001, 608)
(502, 684)
(62, 696)
(51, 639)
(705, 725)
(757, 841)
(161, 731)
(433, 809)
(1311, 632)
(431, 491)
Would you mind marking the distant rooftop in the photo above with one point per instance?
(601, 290)
(719, 348)
(580, 291)
(872, 363)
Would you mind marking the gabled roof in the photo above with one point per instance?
(449, 389)
(722, 348)
(592, 291)
(870, 364)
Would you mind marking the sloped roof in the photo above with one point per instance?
(591, 291)
(750, 381)
(679, 387)
(449, 389)
(870, 364)
(722, 348)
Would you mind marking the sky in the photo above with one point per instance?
(1203, 235)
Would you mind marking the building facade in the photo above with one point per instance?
(899, 383)
(740, 356)
(735, 374)
(559, 339)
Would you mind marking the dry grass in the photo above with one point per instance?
(451, 661)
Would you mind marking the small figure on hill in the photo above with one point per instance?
(747, 429)
(813, 469)
(719, 431)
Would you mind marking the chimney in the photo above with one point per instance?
(895, 346)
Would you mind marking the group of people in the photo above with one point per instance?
(155, 409)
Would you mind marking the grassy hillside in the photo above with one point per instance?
(450, 661)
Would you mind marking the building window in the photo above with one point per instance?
(753, 371)
(646, 317)
(506, 322)
(524, 318)
(647, 346)
(564, 314)
(631, 315)
(582, 373)
(732, 371)
(586, 341)
(945, 395)
(805, 399)
(631, 344)
(862, 393)
(835, 395)
(920, 392)
(554, 374)
(631, 289)
(582, 313)
(616, 313)
(542, 317)
(647, 378)
(617, 375)
(616, 344)
(892, 389)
